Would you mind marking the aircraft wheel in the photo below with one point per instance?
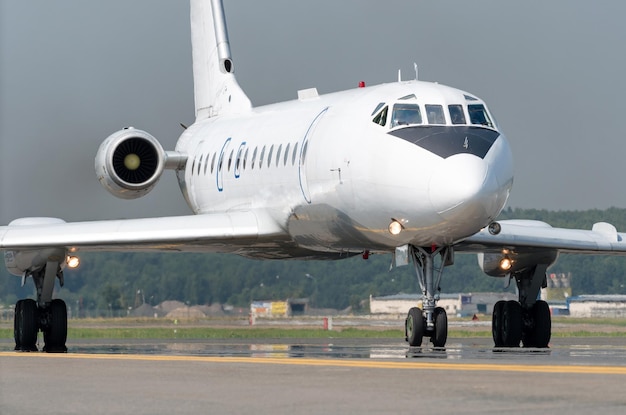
(26, 325)
(415, 327)
(542, 326)
(440, 336)
(56, 335)
(512, 324)
(496, 323)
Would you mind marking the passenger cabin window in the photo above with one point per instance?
(261, 158)
(238, 160)
(381, 117)
(456, 114)
(286, 156)
(200, 164)
(435, 114)
(406, 114)
(220, 163)
(478, 115)
(305, 146)
(269, 155)
(230, 158)
(280, 148)
(254, 157)
(295, 153)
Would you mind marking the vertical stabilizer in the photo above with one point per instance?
(216, 90)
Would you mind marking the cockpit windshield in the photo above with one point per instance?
(402, 114)
(456, 114)
(478, 115)
(406, 114)
(435, 114)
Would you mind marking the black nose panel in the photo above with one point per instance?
(446, 141)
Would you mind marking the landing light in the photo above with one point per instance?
(395, 227)
(72, 261)
(506, 263)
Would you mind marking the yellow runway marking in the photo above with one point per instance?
(365, 364)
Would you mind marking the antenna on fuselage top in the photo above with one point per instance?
(416, 72)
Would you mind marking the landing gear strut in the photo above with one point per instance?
(528, 320)
(432, 321)
(45, 314)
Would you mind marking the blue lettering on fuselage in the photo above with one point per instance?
(219, 176)
(238, 159)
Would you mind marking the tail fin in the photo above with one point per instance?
(216, 90)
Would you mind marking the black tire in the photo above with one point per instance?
(440, 337)
(415, 327)
(512, 324)
(17, 324)
(542, 326)
(56, 335)
(496, 323)
(26, 325)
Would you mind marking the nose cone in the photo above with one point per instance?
(466, 189)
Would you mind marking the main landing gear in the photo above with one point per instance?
(528, 320)
(432, 321)
(45, 314)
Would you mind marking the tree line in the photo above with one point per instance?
(115, 281)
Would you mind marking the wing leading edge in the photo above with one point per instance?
(224, 232)
(602, 239)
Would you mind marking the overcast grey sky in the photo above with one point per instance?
(73, 72)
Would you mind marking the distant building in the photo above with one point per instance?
(291, 307)
(613, 306)
(455, 304)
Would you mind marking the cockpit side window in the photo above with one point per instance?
(381, 118)
(456, 114)
(478, 115)
(379, 106)
(435, 114)
(406, 114)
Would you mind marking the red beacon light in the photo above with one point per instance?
(361, 84)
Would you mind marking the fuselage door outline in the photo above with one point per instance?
(304, 187)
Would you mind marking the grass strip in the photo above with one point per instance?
(216, 333)
(278, 333)
(151, 329)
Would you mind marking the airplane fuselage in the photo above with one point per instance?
(346, 157)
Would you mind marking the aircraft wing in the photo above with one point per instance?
(206, 232)
(520, 235)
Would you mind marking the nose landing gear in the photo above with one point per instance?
(432, 321)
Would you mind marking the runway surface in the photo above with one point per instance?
(302, 376)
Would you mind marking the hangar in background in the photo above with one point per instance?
(611, 306)
(460, 305)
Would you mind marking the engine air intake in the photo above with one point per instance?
(129, 163)
(135, 160)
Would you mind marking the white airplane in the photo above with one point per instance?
(417, 169)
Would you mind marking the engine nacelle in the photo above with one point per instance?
(129, 163)
(26, 261)
(503, 264)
